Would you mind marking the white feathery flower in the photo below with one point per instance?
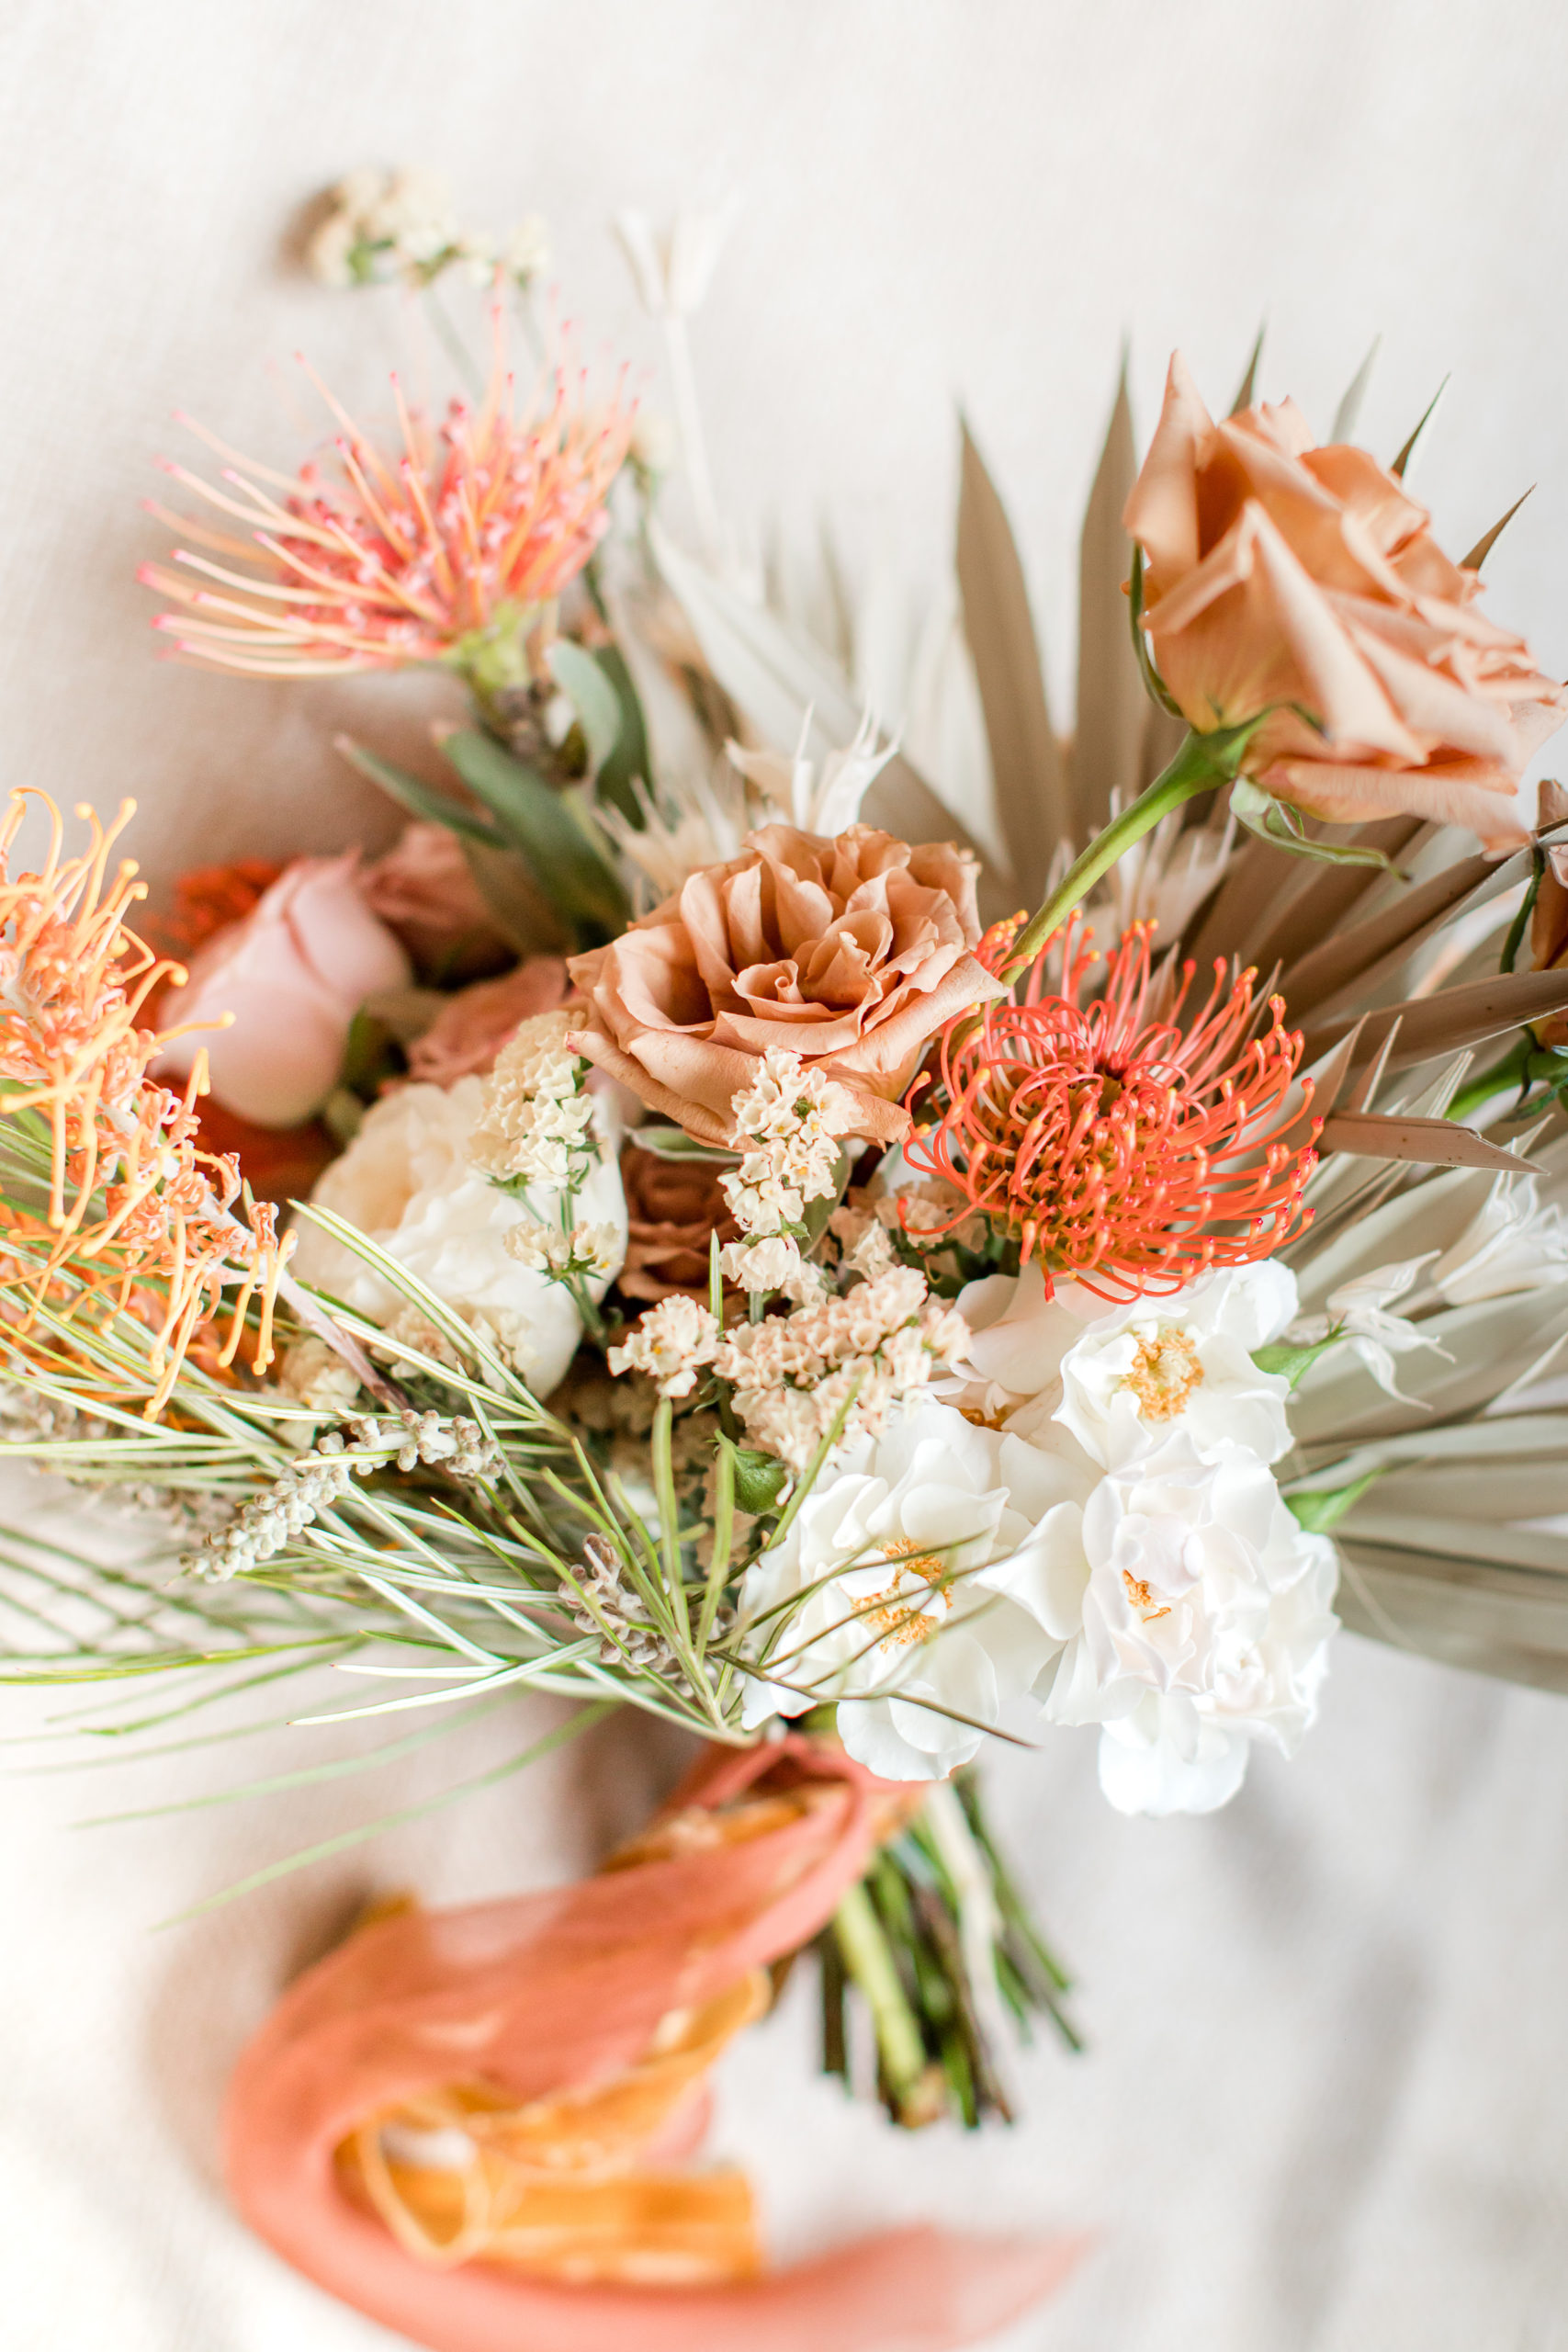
(1357, 1313)
(672, 272)
(826, 801)
(317, 1375)
(1513, 1242)
(671, 1343)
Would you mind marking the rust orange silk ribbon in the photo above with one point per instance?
(567, 2034)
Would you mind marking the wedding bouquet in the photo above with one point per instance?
(667, 1233)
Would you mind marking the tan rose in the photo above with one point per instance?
(1279, 572)
(472, 1027)
(850, 952)
(673, 1208)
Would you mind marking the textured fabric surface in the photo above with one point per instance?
(1323, 2108)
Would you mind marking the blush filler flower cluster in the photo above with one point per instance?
(667, 1234)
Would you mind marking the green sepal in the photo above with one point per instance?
(1320, 1512)
(1275, 821)
(759, 1480)
(1154, 685)
(1292, 1359)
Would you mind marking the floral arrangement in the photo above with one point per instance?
(667, 1233)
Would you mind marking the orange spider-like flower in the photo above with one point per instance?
(412, 555)
(1125, 1152)
(131, 1215)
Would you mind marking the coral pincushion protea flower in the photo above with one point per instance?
(1124, 1152)
(128, 1214)
(421, 554)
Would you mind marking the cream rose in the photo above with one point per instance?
(850, 952)
(1301, 579)
(408, 1183)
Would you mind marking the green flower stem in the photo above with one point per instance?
(1200, 765)
(868, 1957)
(1512, 1072)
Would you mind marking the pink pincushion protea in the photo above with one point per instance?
(1112, 1145)
(462, 534)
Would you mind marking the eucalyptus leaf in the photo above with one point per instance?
(419, 798)
(630, 757)
(554, 831)
(674, 1143)
(591, 694)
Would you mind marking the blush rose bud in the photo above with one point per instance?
(291, 976)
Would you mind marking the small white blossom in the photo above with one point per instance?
(1357, 1313)
(317, 1375)
(671, 1343)
(592, 1251)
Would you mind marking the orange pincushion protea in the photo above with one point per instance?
(470, 527)
(1112, 1145)
(133, 1216)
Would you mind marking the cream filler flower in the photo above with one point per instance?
(871, 1599)
(671, 1343)
(409, 1180)
(538, 1123)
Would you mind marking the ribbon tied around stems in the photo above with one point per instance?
(473, 2124)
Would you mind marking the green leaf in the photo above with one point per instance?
(1294, 1361)
(419, 799)
(674, 1143)
(1154, 685)
(1319, 1511)
(554, 833)
(758, 1479)
(630, 757)
(591, 694)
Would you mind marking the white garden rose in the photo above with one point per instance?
(889, 1621)
(1184, 1362)
(406, 1180)
(1194, 1615)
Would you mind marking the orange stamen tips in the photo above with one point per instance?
(390, 558)
(1125, 1152)
(133, 1218)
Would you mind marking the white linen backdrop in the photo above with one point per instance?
(1322, 2110)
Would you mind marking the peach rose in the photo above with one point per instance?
(673, 1208)
(1279, 572)
(424, 889)
(850, 952)
(473, 1025)
(292, 975)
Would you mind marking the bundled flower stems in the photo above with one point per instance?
(689, 1228)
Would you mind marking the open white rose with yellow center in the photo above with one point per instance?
(408, 1182)
(871, 1599)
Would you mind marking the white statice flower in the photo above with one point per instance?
(768, 1265)
(825, 800)
(408, 1181)
(1195, 1617)
(594, 1252)
(316, 1375)
(863, 1240)
(1513, 1242)
(671, 1343)
(1184, 1362)
(538, 1126)
(871, 1599)
(863, 1354)
(1359, 1314)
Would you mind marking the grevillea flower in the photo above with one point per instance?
(134, 1217)
(417, 554)
(1123, 1152)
